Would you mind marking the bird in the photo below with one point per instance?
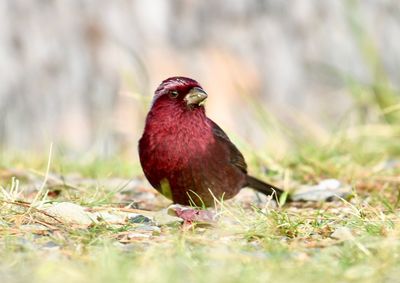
(185, 155)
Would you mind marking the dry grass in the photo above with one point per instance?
(347, 241)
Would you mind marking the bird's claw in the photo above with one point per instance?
(192, 215)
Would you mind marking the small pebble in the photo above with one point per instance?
(326, 190)
(50, 246)
(138, 235)
(138, 218)
(342, 233)
(148, 228)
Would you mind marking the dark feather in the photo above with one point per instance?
(262, 187)
(236, 157)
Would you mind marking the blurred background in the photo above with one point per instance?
(81, 74)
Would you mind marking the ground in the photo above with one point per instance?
(129, 236)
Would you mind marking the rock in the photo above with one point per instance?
(138, 218)
(162, 218)
(33, 228)
(250, 198)
(126, 247)
(70, 213)
(108, 217)
(50, 246)
(148, 228)
(138, 235)
(342, 233)
(326, 190)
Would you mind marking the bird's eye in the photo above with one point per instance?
(173, 94)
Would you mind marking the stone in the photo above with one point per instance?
(138, 235)
(342, 233)
(33, 227)
(70, 213)
(50, 246)
(148, 228)
(162, 218)
(326, 190)
(138, 218)
(108, 217)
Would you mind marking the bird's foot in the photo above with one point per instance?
(192, 216)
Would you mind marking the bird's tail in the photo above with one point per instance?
(263, 187)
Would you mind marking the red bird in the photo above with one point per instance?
(185, 155)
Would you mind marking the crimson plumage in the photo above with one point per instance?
(185, 155)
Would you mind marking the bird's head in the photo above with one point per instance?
(181, 92)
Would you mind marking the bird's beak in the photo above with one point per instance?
(195, 96)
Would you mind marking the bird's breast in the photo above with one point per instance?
(175, 145)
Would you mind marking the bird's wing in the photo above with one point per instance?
(236, 156)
